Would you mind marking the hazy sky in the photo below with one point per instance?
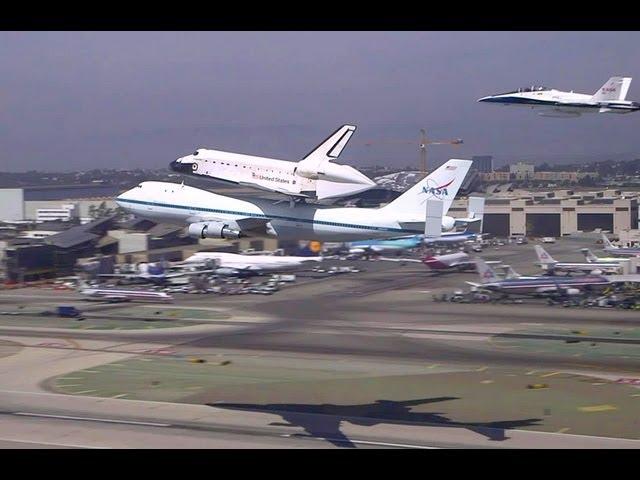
(82, 100)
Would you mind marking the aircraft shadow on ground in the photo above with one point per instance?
(327, 426)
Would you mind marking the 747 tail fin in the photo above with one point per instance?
(441, 184)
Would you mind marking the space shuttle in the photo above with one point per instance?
(315, 177)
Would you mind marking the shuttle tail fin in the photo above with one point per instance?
(317, 165)
(543, 257)
(328, 150)
(615, 88)
(441, 184)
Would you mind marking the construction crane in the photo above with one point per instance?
(422, 146)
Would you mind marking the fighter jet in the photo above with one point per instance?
(610, 98)
(315, 177)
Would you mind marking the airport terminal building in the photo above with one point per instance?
(556, 213)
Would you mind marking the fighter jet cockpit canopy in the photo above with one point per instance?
(533, 88)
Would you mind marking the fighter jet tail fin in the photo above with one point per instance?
(543, 257)
(487, 274)
(615, 88)
(441, 184)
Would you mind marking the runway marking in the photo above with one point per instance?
(90, 371)
(550, 374)
(49, 443)
(481, 369)
(71, 385)
(486, 381)
(365, 442)
(83, 392)
(598, 408)
(531, 372)
(635, 394)
(433, 366)
(120, 395)
(90, 419)
(562, 430)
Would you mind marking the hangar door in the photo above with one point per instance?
(543, 224)
(497, 224)
(588, 222)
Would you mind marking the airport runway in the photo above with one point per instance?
(356, 360)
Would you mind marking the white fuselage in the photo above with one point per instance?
(251, 262)
(274, 175)
(554, 102)
(182, 205)
(114, 294)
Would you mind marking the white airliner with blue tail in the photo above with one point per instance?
(610, 98)
(209, 215)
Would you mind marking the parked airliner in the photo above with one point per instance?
(550, 265)
(538, 285)
(209, 215)
(622, 251)
(610, 98)
(252, 263)
(314, 177)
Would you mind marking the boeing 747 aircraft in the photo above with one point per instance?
(314, 177)
(610, 98)
(209, 215)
